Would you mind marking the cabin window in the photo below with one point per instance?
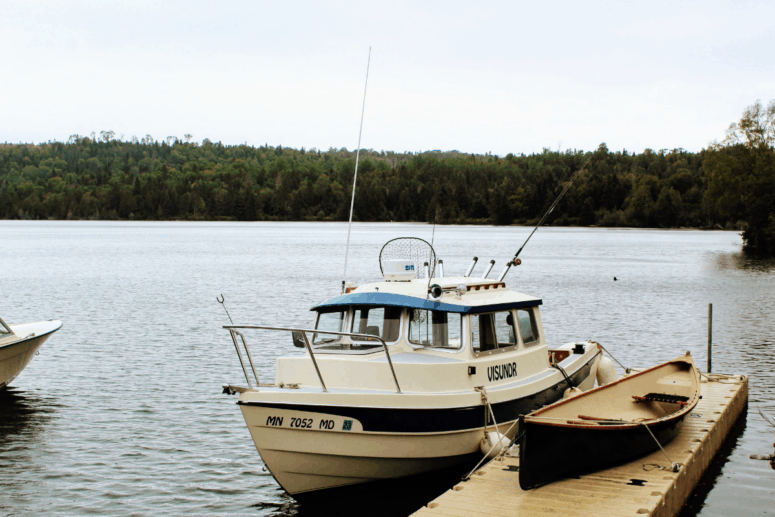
(332, 321)
(435, 329)
(527, 326)
(492, 331)
(384, 322)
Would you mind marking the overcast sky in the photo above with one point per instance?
(478, 77)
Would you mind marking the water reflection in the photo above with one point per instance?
(373, 498)
(745, 262)
(23, 416)
(715, 470)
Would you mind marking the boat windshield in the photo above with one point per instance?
(493, 331)
(333, 321)
(384, 322)
(435, 329)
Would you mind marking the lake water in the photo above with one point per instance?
(122, 412)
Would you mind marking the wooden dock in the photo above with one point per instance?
(634, 489)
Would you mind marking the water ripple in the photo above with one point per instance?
(122, 413)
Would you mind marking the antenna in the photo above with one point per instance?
(515, 261)
(355, 176)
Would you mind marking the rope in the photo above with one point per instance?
(476, 468)
(720, 378)
(626, 370)
(483, 391)
(675, 467)
(562, 370)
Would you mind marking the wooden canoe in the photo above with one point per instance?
(607, 425)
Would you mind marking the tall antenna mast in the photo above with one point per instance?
(515, 261)
(355, 177)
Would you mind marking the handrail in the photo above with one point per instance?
(232, 329)
(3, 325)
(234, 333)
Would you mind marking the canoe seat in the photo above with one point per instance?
(663, 397)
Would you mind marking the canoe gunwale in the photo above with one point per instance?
(535, 416)
(612, 426)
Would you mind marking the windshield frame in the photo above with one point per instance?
(517, 346)
(334, 340)
(360, 342)
(448, 350)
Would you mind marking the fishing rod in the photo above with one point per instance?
(355, 177)
(515, 261)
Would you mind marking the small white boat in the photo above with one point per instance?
(18, 345)
(402, 376)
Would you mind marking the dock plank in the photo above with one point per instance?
(494, 490)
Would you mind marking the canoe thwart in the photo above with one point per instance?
(663, 397)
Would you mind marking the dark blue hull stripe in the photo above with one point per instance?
(398, 420)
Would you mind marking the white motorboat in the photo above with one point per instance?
(405, 376)
(18, 345)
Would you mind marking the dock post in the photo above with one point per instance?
(710, 335)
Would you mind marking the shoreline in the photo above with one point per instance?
(418, 223)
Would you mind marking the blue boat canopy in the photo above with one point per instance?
(414, 302)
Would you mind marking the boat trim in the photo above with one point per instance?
(29, 337)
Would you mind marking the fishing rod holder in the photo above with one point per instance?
(489, 268)
(471, 267)
(514, 262)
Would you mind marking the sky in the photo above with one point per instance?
(487, 76)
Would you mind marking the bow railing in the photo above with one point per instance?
(234, 331)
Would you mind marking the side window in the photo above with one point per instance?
(492, 331)
(527, 326)
(384, 322)
(333, 321)
(435, 329)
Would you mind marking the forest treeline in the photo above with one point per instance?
(90, 178)
(108, 178)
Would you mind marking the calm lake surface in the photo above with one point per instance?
(122, 412)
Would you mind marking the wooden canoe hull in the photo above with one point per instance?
(548, 453)
(609, 424)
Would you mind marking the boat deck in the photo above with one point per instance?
(627, 490)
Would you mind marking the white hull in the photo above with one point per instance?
(308, 460)
(314, 459)
(16, 355)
